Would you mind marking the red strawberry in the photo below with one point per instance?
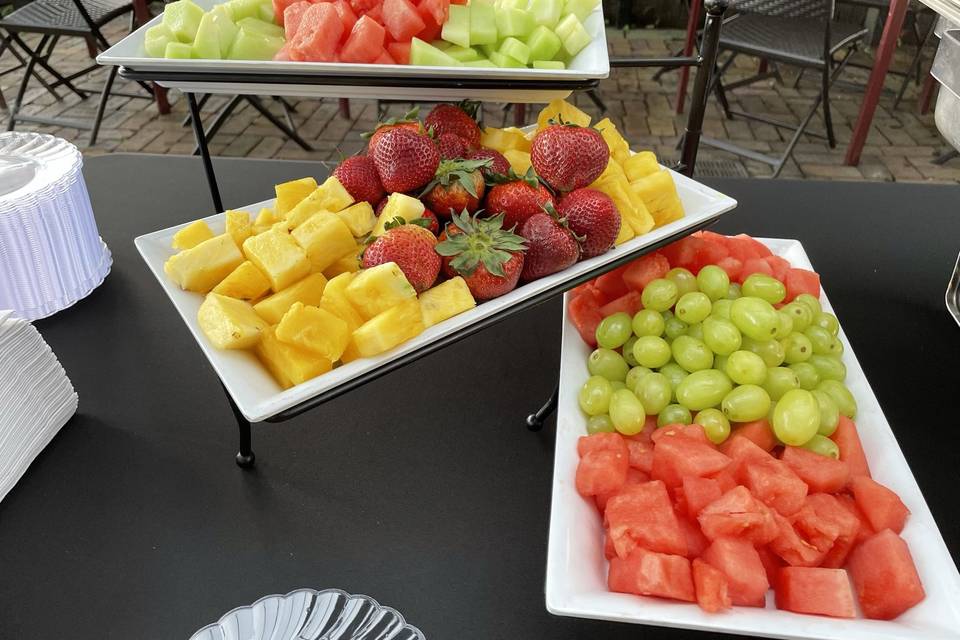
(518, 199)
(412, 248)
(407, 121)
(459, 119)
(380, 205)
(359, 177)
(488, 257)
(550, 247)
(593, 216)
(451, 146)
(405, 160)
(498, 164)
(433, 225)
(568, 157)
(457, 186)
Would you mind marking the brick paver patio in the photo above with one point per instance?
(901, 145)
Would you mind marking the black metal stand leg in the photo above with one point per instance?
(200, 103)
(278, 123)
(535, 420)
(111, 76)
(211, 178)
(245, 456)
(595, 98)
(218, 120)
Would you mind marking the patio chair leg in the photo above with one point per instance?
(344, 104)
(535, 420)
(519, 115)
(796, 83)
(8, 46)
(827, 118)
(915, 64)
(42, 61)
(95, 131)
(245, 457)
(28, 72)
(287, 114)
(279, 124)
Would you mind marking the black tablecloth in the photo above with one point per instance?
(423, 489)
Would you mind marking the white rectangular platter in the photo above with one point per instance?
(577, 571)
(259, 397)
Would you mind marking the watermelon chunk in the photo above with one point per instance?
(292, 16)
(692, 431)
(696, 541)
(347, 17)
(884, 576)
(439, 10)
(675, 458)
(737, 514)
(711, 587)
(280, 8)
(851, 451)
(742, 449)
(384, 58)
(318, 35)
(866, 530)
(709, 253)
(828, 526)
(642, 516)
(684, 252)
(799, 281)
(771, 562)
(601, 442)
(645, 270)
(882, 507)
(601, 472)
(611, 284)
(821, 473)
(365, 43)
(698, 493)
(779, 266)
(647, 573)
(586, 317)
(824, 592)
(755, 265)
(743, 247)
(740, 563)
(634, 476)
(400, 52)
(629, 303)
(758, 432)
(732, 266)
(401, 19)
(640, 455)
(775, 484)
(789, 546)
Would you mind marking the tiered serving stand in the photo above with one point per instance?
(208, 78)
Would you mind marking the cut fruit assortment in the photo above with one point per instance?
(540, 34)
(721, 449)
(405, 237)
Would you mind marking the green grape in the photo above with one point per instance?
(674, 414)
(785, 326)
(746, 367)
(827, 321)
(696, 331)
(675, 374)
(614, 330)
(674, 327)
(703, 389)
(627, 413)
(829, 413)
(721, 308)
(655, 392)
(600, 424)
(812, 303)
(841, 395)
(754, 318)
(796, 348)
(779, 381)
(722, 336)
(685, 281)
(807, 375)
(714, 424)
(800, 313)
(693, 307)
(836, 347)
(648, 322)
(617, 385)
(659, 294)
(651, 351)
(746, 403)
(720, 362)
(829, 368)
(796, 417)
(734, 291)
(607, 363)
(820, 338)
(824, 446)
(770, 351)
(627, 351)
(762, 286)
(633, 377)
(691, 354)
(714, 282)
(595, 395)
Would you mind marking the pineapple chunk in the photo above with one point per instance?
(445, 301)
(330, 196)
(229, 323)
(373, 291)
(289, 365)
(336, 302)
(386, 330)
(191, 235)
(239, 226)
(503, 140)
(519, 160)
(279, 257)
(264, 221)
(626, 232)
(612, 170)
(640, 165)
(359, 217)
(619, 191)
(566, 111)
(325, 238)
(308, 291)
(659, 194)
(289, 194)
(201, 268)
(399, 205)
(246, 282)
(350, 353)
(619, 148)
(349, 263)
(314, 329)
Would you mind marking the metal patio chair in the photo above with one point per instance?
(800, 33)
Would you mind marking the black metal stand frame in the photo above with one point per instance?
(689, 144)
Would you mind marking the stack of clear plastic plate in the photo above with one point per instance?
(51, 254)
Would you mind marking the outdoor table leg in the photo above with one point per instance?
(888, 44)
(693, 21)
(141, 12)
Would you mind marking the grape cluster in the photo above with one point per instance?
(709, 351)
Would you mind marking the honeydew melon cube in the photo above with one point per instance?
(423, 54)
(514, 22)
(504, 61)
(486, 49)
(260, 28)
(265, 12)
(565, 26)
(577, 37)
(241, 9)
(463, 54)
(206, 44)
(580, 8)
(252, 46)
(183, 19)
(156, 38)
(443, 45)
(512, 4)
(544, 44)
(483, 62)
(515, 49)
(178, 51)
(483, 23)
(457, 27)
(546, 13)
(226, 28)
(554, 65)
